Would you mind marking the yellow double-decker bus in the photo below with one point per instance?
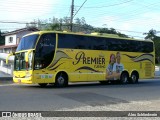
(58, 58)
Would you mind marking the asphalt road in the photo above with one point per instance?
(89, 96)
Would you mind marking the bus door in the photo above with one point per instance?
(39, 72)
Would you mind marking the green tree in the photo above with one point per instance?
(151, 34)
(156, 39)
(80, 25)
(110, 31)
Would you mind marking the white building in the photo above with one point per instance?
(12, 40)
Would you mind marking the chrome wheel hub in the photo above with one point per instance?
(61, 80)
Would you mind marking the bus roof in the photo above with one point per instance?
(92, 34)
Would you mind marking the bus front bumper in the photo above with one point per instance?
(23, 80)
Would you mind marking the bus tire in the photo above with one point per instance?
(61, 80)
(134, 77)
(124, 78)
(43, 84)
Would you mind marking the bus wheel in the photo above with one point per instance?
(43, 84)
(134, 77)
(61, 80)
(124, 78)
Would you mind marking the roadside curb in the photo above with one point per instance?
(157, 77)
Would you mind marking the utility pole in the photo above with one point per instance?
(72, 10)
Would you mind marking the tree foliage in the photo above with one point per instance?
(152, 35)
(79, 25)
(110, 31)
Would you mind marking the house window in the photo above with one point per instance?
(10, 40)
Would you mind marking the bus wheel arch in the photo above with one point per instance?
(61, 79)
(134, 77)
(124, 78)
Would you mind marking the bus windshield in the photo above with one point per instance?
(27, 42)
(20, 63)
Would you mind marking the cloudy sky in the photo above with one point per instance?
(132, 17)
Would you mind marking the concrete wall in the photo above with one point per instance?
(8, 50)
(6, 68)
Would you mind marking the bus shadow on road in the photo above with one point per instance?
(141, 83)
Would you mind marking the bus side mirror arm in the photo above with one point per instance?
(26, 56)
(8, 57)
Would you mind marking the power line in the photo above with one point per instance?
(68, 11)
(135, 36)
(72, 10)
(130, 31)
(110, 5)
(80, 8)
(130, 15)
(21, 3)
(15, 22)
